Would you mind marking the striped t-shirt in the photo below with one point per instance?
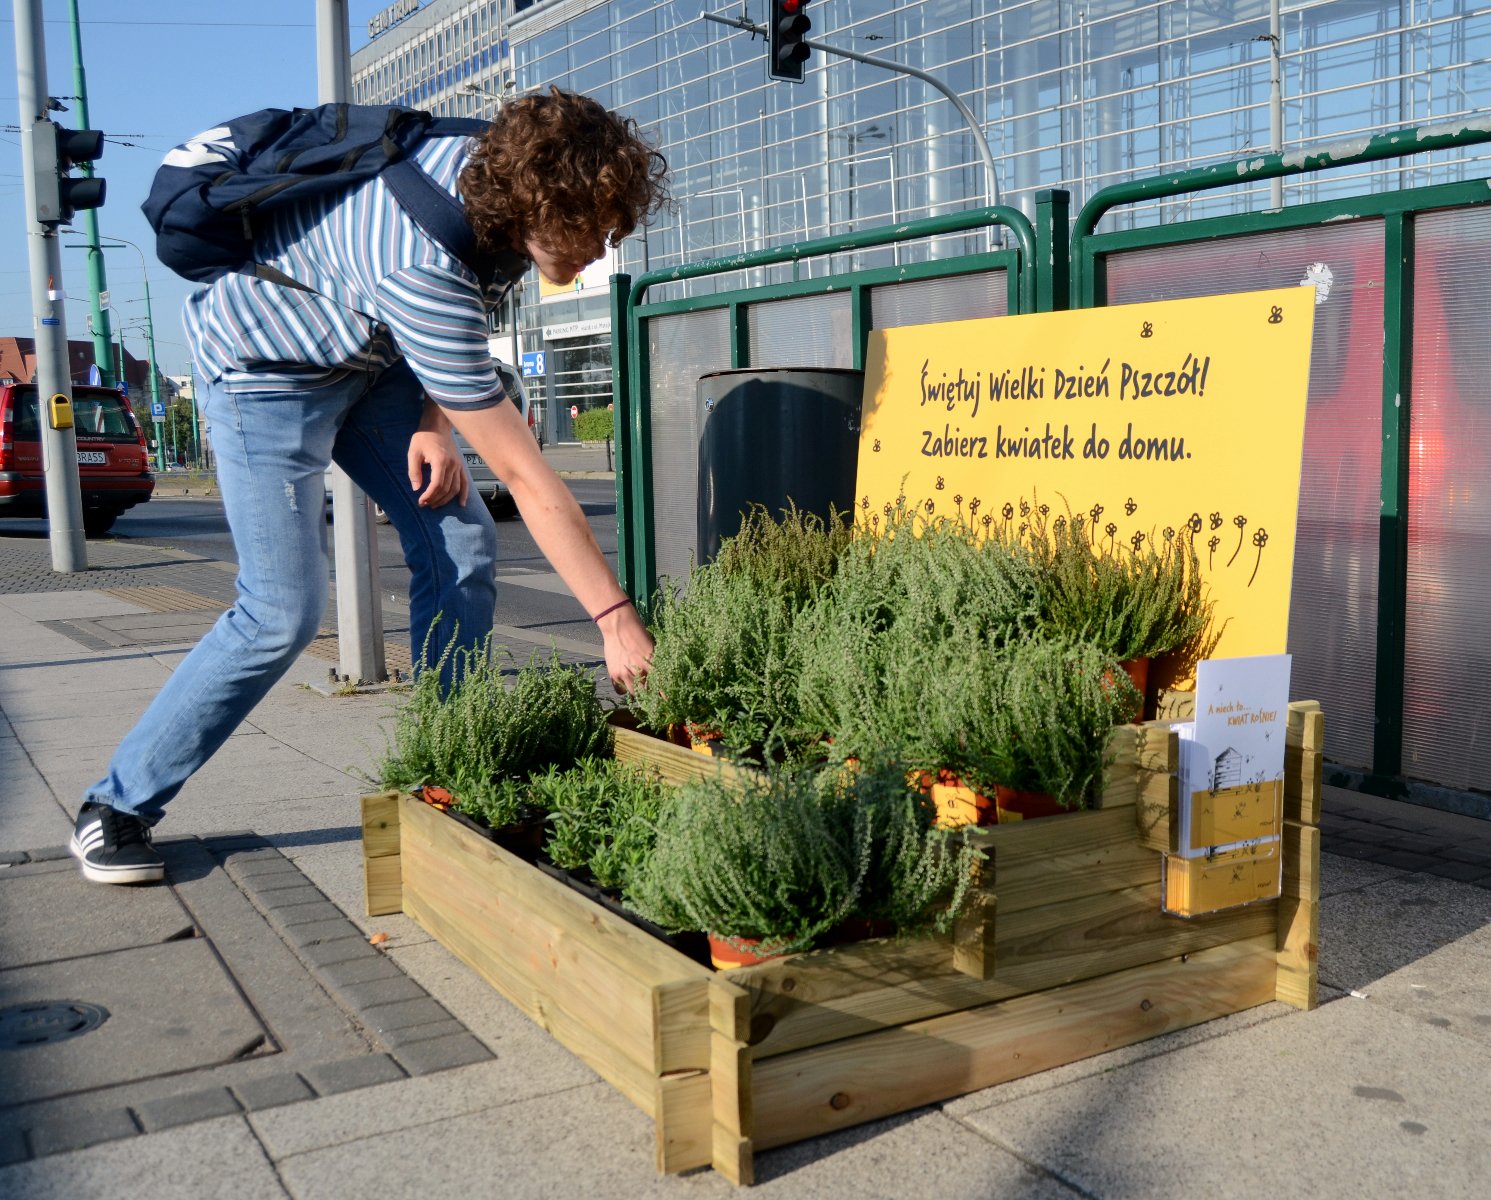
(384, 289)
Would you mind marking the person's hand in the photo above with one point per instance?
(448, 477)
(629, 647)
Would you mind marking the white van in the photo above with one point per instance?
(492, 490)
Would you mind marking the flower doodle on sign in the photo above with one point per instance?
(1059, 524)
(1216, 520)
(1194, 523)
(1111, 530)
(876, 447)
(1025, 508)
(930, 506)
(1212, 543)
(864, 503)
(941, 485)
(1137, 540)
(1169, 533)
(1260, 540)
(1130, 506)
(974, 505)
(1008, 511)
(1242, 523)
(1146, 330)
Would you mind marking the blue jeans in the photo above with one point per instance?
(272, 449)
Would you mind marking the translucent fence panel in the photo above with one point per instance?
(927, 301)
(1447, 667)
(680, 349)
(808, 331)
(1333, 610)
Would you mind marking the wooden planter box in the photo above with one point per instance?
(1067, 955)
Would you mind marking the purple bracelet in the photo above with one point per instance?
(608, 611)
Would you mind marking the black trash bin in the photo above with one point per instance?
(773, 436)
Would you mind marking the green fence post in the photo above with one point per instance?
(1053, 248)
(1392, 549)
(621, 351)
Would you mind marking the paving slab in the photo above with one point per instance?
(1376, 930)
(218, 1158)
(1336, 1102)
(1415, 944)
(48, 917)
(170, 1008)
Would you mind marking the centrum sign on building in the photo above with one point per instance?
(391, 16)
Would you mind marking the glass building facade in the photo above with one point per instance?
(1072, 94)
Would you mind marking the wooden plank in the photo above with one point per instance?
(1173, 705)
(973, 936)
(621, 943)
(1305, 725)
(550, 951)
(683, 1124)
(732, 1107)
(1119, 786)
(1298, 938)
(1157, 814)
(823, 996)
(1304, 778)
(864, 1078)
(1073, 856)
(380, 825)
(673, 763)
(680, 1015)
(382, 873)
(383, 885)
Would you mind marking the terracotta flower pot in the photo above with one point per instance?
(728, 954)
(1014, 805)
(436, 796)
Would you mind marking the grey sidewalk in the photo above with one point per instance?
(259, 1045)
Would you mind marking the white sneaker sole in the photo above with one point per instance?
(97, 874)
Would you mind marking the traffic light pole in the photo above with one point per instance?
(98, 283)
(59, 446)
(991, 177)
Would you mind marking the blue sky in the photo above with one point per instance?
(156, 74)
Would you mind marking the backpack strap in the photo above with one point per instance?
(437, 212)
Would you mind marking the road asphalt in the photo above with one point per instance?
(246, 1031)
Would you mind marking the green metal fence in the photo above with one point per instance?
(1387, 623)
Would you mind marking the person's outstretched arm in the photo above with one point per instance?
(501, 437)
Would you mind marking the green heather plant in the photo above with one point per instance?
(1132, 601)
(882, 639)
(1038, 716)
(796, 851)
(726, 658)
(486, 734)
(602, 815)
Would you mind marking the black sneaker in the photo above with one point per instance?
(114, 847)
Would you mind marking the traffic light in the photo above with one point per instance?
(789, 25)
(55, 152)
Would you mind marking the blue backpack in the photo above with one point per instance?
(209, 196)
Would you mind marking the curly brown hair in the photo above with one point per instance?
(560, 169)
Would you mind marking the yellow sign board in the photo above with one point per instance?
(1148, 419)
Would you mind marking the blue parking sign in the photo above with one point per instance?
(158, 410)
(533, 364)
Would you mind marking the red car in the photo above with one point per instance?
(113, 463)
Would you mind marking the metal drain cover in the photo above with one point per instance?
(48, 1021)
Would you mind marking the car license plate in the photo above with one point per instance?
(93, 457)
(472, 460)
